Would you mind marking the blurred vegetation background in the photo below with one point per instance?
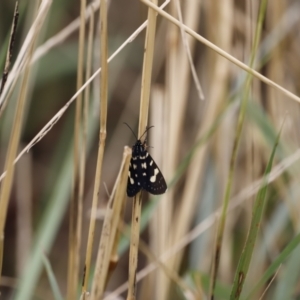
(192, 143)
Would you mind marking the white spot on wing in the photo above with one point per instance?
(151, 163)
(144, 165)
(144, 174)
(153, 178)
(131, 180)
(134, 166)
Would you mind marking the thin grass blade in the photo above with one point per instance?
(258, 211)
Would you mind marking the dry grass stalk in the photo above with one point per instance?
(89, 61)
(178, 81)
(102, 137)
(17, 126)
(143, 121)
(76, 199)
(134, 245)
(161, 219)
(193, 15)
(109, 229)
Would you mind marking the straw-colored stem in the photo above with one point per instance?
(143, 120)
(11, 154)
(178, 88)
(84, 295)
(109, 229)
(102, 138)
(134, 245)
(147, 71)
(76, 200)
(17, 125)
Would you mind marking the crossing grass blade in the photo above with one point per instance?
(294, 243)
(53, 282)
(258, 210)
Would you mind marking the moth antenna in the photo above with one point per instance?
(130, 129)
(147, 128)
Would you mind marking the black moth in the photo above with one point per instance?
(143, 172)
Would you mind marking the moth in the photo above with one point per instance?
(143, 172)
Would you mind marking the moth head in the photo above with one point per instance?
(138, 148)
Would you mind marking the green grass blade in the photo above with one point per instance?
(53, 282)
(289, 278)
(294, 243)
(258, 210)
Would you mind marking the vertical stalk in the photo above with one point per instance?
(102, 138)
(143, 120)
(76, 202)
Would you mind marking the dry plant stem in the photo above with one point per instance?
(10, 156)
(173, 115)
(221, 52)
(178, 88)
(86, 105)
(109, 229)
(87, 76)
(114, 256)
(10, 47)
(143, 120)
(241, 118)
(86, 108)
(102, 137)
(134, 245)
(17, 125)
(161, 221)
(76, 202)
(178, 78)
(86, 111)
(188, 52)
(147, 71)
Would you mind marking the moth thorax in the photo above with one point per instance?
(138, 148)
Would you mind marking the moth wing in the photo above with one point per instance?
(155, 182)
(133, 183)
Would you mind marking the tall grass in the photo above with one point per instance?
(65, 201)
